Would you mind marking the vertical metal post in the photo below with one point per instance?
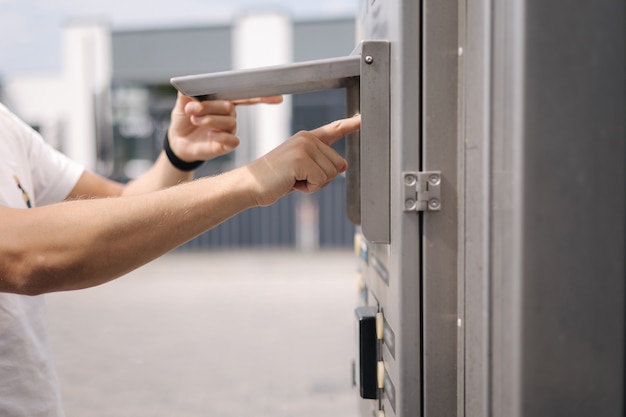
(375, 197)
(353, 156)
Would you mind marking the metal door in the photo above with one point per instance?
(412, 278)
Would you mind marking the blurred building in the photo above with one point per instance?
(109, 109)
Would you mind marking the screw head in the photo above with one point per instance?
(409, 204)
(434, 179)
(410, 179)
(368, 59)
(434, 204)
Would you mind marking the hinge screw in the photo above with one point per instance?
(410, 179)
(369, 59)
(410, 204)
(434, 179)
(434, 204)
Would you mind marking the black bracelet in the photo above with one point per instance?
(176, 161)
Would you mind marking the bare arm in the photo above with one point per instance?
(82, 243)
(198, 131)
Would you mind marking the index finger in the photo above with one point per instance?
(257, 100)
(334, 131)
(181, 102)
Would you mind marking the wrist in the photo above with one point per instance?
(175, 160)
(247, 184)
(263, 183)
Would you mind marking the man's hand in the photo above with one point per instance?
(304, 162)
(203, 130)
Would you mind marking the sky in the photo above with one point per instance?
(30, 30)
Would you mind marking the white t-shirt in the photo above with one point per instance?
(31, 174)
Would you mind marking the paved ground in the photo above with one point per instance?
(216, 334)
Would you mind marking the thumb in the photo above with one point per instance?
(181, 102)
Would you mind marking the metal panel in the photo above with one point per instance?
(507, 84)
(417, 290)
(440, 249)
(404, 308)
(375, 141)
(392, 272)
(474, 191)
(574, 133)
(544, 105)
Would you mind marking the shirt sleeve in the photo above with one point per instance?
(54, 174)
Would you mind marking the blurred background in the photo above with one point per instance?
(94, 79)
(253, 317)
(265, 333)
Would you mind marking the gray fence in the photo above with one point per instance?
(275, 226)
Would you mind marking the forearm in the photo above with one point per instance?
(84, 243)
(161, 175)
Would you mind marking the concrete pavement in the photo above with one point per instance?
(212, 334)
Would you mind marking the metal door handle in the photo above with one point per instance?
(365, 76)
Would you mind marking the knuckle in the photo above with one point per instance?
(337, 125)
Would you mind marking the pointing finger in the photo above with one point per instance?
(334, 131)
(267, 100)
(203, 108)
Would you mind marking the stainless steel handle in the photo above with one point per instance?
(365, 76)
(325, 74)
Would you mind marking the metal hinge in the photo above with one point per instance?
(422, 191)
